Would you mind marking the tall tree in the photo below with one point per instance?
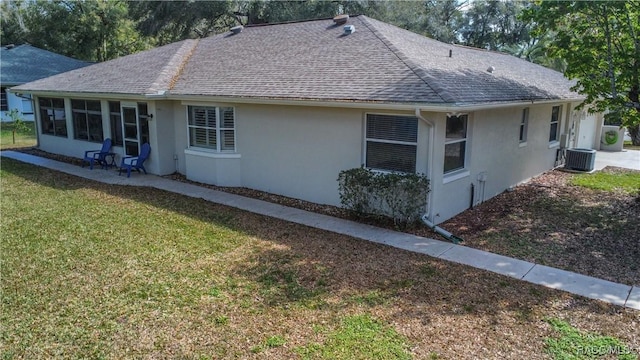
(443, 19)
(600, 41)
(93, 30)
(12, 27)
(170, 21)
(493, 24)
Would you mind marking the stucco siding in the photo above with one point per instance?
(161, 139)
(298, 151)
(496, 160)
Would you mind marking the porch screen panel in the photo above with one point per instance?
(53, 116)
(115, 119)
(391, 143)
(87, 120)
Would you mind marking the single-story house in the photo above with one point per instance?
(25, 63)
(283, 108)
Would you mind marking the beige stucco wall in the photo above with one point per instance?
(495, 154)
(299, 151)
(289, 150)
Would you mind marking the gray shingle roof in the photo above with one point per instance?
(147, 72)
(25, 63)
(314, 60)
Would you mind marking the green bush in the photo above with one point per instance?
(400, 196)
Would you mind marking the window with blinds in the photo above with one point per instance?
(391, 143)
(212, 128)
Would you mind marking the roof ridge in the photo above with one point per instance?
(170, 72)
(415, 68)
(296, 21)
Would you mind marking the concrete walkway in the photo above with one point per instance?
(618, 294)
(629, 159)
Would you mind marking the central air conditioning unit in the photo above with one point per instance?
(580, 159)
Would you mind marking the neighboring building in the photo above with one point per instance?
(284, 108)
(22, 64)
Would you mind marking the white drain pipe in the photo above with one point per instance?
(449, 236)
(427, 215)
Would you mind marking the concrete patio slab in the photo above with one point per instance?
(488, 261)
(579, 284)
(633, 302)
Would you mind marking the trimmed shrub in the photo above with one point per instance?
(400, 196)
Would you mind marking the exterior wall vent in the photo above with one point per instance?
(237, 29)
(349, 29)
(341, 19)
(580, 159)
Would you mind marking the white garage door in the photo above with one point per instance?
(587, 131)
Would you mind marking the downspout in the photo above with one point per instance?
(426, 218)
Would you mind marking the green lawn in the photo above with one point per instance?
(22, 139)
(90, 270)
(608, 181)
(629, 146)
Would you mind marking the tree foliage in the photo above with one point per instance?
(600, 41)
(93, 30)
(494, 25)
(170, 21)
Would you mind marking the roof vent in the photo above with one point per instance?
(237, 29)
(349, 29)
(491, 69)
(341, 19)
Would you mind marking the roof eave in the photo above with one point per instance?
(359, 104)
(84, 95)
(378, 105)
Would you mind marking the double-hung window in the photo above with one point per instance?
(524, 125)
(455, 145)
(53, 119)
(212, 128)
(391, 143)
(87, 120)
(554, 130)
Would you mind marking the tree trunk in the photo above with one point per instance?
(634, 131)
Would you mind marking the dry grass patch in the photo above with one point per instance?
(98, 271)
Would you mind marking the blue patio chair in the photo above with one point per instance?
(99, 156)
(135, 162)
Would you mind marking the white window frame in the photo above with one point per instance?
(53, 119)
(386, 141)
(464, 140)
(218, 129)
(556, 121)
(87, 113)
(524, 127)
